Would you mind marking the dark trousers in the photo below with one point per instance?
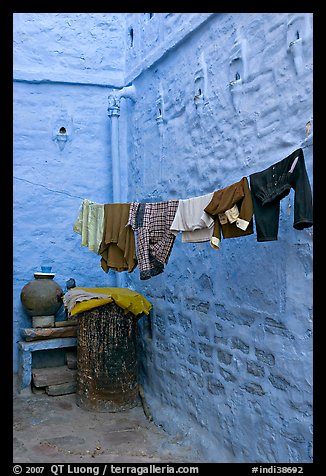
(274, 183)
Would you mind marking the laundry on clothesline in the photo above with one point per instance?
(194, 223)
(154, 240)
(89, 224)
(127, 234)
(274, 183)
(117, 248)
(233, 211)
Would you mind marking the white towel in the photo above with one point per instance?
(191, 219)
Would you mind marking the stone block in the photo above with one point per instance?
(224, 357)
(229, 377)
(207, 366)
(43, 321)
(53, 376)
(215, 387)
(278, 382)
(239, 344)
(206, 350)
(277, 327)
(61, 388)
(220, 340)
(255, 369)
(265, 357)
(31, 334)
(254, 388)
(68, 322)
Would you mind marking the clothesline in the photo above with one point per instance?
(143, 233)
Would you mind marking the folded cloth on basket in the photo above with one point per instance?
(79, 300)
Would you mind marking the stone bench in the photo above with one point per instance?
(25, 355)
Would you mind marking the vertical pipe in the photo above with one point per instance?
(114, 113)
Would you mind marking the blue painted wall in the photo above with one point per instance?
(63, 74)
(227, 361)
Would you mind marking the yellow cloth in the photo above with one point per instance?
(129, 300)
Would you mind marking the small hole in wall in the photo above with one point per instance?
(131, 34)
(160, 112)
(199, 92)
(298, 35)
(62, 130)
(237, 76)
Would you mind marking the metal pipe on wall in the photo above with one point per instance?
(128, 92)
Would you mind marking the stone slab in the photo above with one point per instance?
(43, 321)
(53, 376)
(70, 322)
(30, 334)
(61, 388)
(38, 390)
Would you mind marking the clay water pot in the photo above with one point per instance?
(42, 296)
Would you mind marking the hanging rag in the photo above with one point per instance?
(191, 219)
(232, 210)
(90, 224)
(117, 249)
(154, 240)
(269, 186)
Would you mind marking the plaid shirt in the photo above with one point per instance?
(154, 240)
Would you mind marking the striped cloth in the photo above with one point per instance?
(151, 223)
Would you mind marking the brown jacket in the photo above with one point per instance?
(118, 244)
(232, 210)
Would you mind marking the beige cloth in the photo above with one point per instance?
(89, 224)
(229, 215)
(73, 296)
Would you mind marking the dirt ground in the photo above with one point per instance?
(53, 429)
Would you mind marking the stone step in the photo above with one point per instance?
(30, 334)
(61, 389)
(50, 376)
(38, 390)
(70, 322)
